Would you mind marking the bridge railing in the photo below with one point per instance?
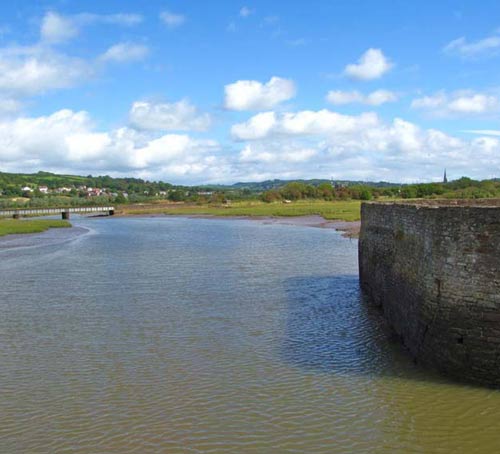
(65, 212)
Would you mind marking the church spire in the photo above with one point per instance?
(445, 180)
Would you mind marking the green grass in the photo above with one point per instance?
(341, 210)
(10, 226)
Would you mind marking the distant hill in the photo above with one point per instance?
(54, 181)
(10, 183)
(45, 188)
(137, 185)
(261, 186)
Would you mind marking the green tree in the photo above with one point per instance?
(270, 196)
(365, 194)
(325, 190)
(120, 199)
(176, 196)
(294, 191)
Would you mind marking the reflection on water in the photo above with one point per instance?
(181, 335)
(329, 330)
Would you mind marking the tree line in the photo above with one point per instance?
(463, 188)
(134, 190)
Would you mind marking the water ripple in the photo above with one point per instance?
(182, 335)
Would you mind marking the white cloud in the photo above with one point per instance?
(300, 144)
(378, 97)
(477, 103)
(484, 132)
(484, 47)
(338, 97)
(254, 95)
(171, 149)
(306, 122)
(33, 70)
(462, 102)
(285, 153)
(172, 20)
(307, 144)
(125, 52)
(68, 140)
(375, 98)
(124, 19)
(429, 102)
(178, 116)
(30, 138)
(28, 71)
(258, 127)
(57, 28)
(246, 11)
(371, 65)
(9, 106)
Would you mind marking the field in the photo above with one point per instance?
(339, 210)
(10, 226)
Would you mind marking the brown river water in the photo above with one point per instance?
(175, 335)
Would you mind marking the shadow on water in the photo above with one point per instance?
(331, 328)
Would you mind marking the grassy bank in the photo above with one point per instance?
(340, 210)
(11, 226)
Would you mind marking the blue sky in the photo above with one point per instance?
(198, 92)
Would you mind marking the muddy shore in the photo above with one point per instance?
(349, 229)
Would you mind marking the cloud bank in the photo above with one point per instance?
(270, 144)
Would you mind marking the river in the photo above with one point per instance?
(177, 335)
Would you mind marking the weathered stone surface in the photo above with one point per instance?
(435, 272)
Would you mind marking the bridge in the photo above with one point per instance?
(64, 212)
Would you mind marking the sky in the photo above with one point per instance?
(193, 92)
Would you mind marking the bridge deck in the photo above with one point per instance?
(47, 211)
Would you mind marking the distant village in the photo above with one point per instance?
(94, 192)
(78, 190)
(88, 191)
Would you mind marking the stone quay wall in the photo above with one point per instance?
(434, 269)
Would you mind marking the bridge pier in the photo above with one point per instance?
(65, 215)
(111, 212)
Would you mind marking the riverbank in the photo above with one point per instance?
(339, 215)
(349, 229)
(348, 210)
(14, 226)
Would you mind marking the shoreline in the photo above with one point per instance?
(36, 239)
(30, 226)
(349, 229)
